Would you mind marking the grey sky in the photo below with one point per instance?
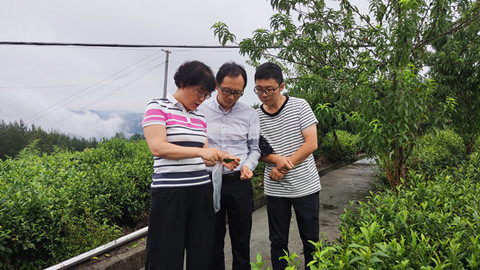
(59, 88)
(56, 87)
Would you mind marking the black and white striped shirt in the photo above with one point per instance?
(283, 130)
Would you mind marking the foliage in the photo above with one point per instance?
(57, 206)
(343, 147)
(391, 118)
(16, 136)
(429, 225)
(257, 180)
(367, 66)
(455, 66)
(438, 150)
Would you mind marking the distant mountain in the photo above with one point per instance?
(132, 121)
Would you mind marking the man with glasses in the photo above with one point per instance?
(233, 127)
(290, 178)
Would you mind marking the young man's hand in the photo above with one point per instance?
(284, 164)
(276, 174)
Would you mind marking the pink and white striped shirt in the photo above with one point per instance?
(185, 129)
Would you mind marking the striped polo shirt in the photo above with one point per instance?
(283, 130)
(185, 129)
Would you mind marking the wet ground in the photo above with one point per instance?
(349, 183)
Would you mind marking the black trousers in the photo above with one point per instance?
(237, 207)
(279, 212)
(181, 219)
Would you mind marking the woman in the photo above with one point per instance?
(181, 212)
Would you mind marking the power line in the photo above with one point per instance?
(35, 43)
(118, 89)
(97, 86)
(47, 87)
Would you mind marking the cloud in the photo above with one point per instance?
(89, 124)
(25, 71)
(33, 108)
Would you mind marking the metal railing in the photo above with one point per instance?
(99, 250)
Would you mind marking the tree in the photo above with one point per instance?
(367, 66)
(455, 66)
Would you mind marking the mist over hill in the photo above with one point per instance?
(132, 122)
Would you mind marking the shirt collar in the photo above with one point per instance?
(216, 105)
(177, 103)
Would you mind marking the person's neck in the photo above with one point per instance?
(178, 96)
(226, 109)
(275, 106)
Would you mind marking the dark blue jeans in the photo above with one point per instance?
(279, 214)
(237, 206)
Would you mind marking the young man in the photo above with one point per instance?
(291, 178)
(233, 127)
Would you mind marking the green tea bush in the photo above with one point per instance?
(429, 225)
(53, 207)
(476, 147)
(346, 150)
(257, 180)
(440, 149)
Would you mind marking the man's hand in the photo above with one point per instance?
(284, 164)
(245, 173)
(230, 162)
(276, 174)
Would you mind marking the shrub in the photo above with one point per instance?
(257, 180)
(429, 225)
(53, 207)
(346, 150)
(440, 149)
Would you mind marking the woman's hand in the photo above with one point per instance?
(210, 154)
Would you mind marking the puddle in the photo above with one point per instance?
(328, 207)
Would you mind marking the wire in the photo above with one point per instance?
(34, 43)
(119, 88)
(41, 87)
(63, 103)
(52, 108)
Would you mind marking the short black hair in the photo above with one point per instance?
(269, 70)
(195, 73)
(231, 69)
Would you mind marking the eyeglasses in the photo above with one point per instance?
(228, 92)
(260, 91)
(203, 94)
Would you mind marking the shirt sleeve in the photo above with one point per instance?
(307, 117)
(154, 114)
(253, 138)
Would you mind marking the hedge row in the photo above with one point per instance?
(431, 224)
(53, 207)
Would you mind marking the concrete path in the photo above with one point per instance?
(339, 187)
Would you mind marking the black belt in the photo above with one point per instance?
(229, 176)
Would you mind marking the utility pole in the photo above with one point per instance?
(166, 73)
